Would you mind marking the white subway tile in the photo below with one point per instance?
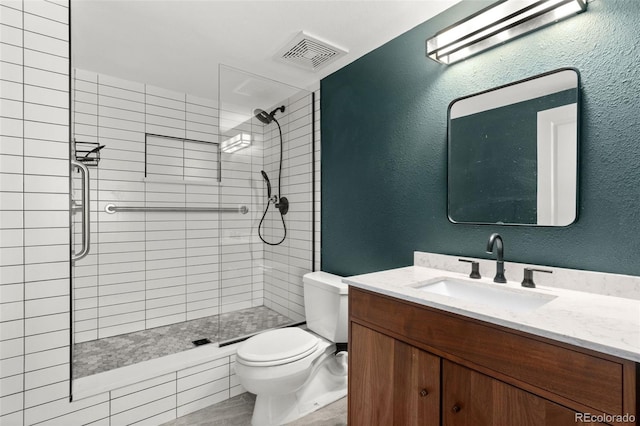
(44, 78)
(46, 306)
(122, 308)
(51, 150)
(11, 127)
(11, 366)
(46, 219)
(62, 412)
(11, 255)
(47, 341)
(198, 404)
(10, 108)
(43, 62)
(11, 404)
(11, 146)
(125, 318)
(96, 415)
(43, 43)
(10, 71)
(11, 238)
(141, 386)
(35, 201)
(144, 411)
(46, 376)
(47, 10)
(12, 59)
(203, 378)
(46, 131)
(11, 329)
(11, 348)
(143, 396)
(46, 271)
(157, 419)
(11, 164)
(203, 391)
(51, 323)
(10, 35)
(46, 114)
(120, 329)
(50, 236)
(46, 359)
(45, 394)
(11, 274)
(10, 16)
(11, 385)
(46, 27)
(10, 182)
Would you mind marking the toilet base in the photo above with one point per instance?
(328, 384)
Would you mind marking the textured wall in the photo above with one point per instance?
(384, 147)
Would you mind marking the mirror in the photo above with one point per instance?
(513, 153)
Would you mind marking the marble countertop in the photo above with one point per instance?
(605, 324)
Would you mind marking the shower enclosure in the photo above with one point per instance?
(175, 196)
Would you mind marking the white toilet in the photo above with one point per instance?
(294, 371)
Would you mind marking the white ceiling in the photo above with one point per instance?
(179, 44)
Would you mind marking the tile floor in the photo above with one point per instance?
(237, 412)
(109, 353)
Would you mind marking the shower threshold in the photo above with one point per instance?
(97, 356)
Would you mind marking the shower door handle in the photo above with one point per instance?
(86, 218)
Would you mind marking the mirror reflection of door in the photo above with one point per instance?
(513, 153)
(557, 165)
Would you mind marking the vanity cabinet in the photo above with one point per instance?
(412, 364)
(398, 384)
(472, 398)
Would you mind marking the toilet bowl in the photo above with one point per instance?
(293, 371)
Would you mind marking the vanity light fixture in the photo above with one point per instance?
(500, 22)
(236, 143)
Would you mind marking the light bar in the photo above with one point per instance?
(503, 21)
(238, 142)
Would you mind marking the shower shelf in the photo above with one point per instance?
(87, 153)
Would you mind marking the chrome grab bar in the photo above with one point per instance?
(112, 208)
(86, 218)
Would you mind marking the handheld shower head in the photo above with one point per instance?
(266, 117)
(266, 179)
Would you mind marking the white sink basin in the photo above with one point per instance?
(504, 298)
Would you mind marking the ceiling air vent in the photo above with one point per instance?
(309, 52)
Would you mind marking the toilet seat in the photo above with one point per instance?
(277, 347)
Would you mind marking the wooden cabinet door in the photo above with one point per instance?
(471, 398)
(390, 382)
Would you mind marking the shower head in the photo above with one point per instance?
(265, 117)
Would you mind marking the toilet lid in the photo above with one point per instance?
(278, 346)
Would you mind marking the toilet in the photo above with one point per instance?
(293, 371)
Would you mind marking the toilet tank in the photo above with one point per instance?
(325, 304)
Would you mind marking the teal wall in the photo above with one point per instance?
(384, 146)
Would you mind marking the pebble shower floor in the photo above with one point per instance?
(97, 356)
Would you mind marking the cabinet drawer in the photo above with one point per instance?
(576, 375)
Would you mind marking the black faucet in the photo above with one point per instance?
(496, 239)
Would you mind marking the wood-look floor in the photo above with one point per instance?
(237, 412)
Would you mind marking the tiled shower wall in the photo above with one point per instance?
(285, 264)
(34, 210)
(151, 269)
(148, 269)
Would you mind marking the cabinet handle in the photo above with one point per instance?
(424, 392)
(456, 408)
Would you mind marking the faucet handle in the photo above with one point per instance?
(475, 268)
(527, 281)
